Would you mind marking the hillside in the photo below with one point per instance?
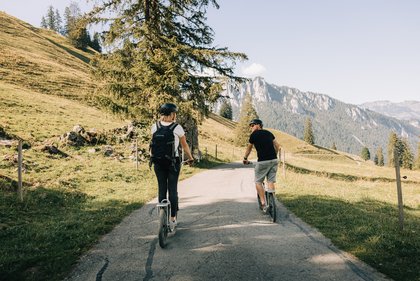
(42, 60)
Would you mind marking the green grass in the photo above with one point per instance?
(361, 218)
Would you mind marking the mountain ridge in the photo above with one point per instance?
(406, 110)
(349, 126)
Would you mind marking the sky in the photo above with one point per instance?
(353, 50)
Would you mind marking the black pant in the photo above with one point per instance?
(167, 175)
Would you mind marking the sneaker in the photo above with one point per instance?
(172, 225)
(264, 208)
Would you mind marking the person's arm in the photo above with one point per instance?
(276, 146)
(247, 152)
(184, 144)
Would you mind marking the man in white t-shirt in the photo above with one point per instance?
(167, 171)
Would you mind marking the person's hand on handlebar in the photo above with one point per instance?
(245, 161)
(190, 162)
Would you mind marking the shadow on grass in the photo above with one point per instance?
(71, 52)
(368, 229)
(42, 237)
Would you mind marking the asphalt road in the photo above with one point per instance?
(222, 235)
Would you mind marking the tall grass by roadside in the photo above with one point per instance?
(361, 218)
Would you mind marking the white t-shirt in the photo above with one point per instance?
(178, 132)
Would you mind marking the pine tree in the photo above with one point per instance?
(365, 154)
(79, 36)
(161, 53)
(96, 42)
(334, 146)
(407, 157)
(375, 159)
(308, 134)
(392, 144)
(380, 156)
(58, 22)
(242, 131)
(50, 19)
(75, 27)
(417, 166)
(68, 20)
(43, 22)
(226, 109)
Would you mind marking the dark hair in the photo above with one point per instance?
(256, 122)
(167, 108)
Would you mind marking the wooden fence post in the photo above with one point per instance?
(20, 185)
(399, 190)
(284, 163)
(137, 155)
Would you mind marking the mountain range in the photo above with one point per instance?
(406, 110)
(350, 127)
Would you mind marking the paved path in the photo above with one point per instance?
(222, 235)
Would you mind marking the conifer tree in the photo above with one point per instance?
(96, 42)
(75, 27)
(308, 134)
(365, 154)
(58, 22)
(392, 144)
(334, 146)
(43, 22)
(407, 157)
(380, 157)
(162, 52)
(226, 109)
(50, 19)
(417, 166)
(79, 36)
(375, 159)
(242, 131)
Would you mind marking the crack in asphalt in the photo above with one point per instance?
(149, 262)
(102, 270)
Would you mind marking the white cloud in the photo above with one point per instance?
(255, 69)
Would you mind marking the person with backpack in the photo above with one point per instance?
(165, 155)
(267, 148)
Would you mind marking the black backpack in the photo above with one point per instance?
(162, 146)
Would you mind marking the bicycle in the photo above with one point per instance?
(270, 202)
(164, 213)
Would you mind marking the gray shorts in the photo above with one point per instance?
(266, 169)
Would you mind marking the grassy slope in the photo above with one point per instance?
(36, 117)
(42, 60)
